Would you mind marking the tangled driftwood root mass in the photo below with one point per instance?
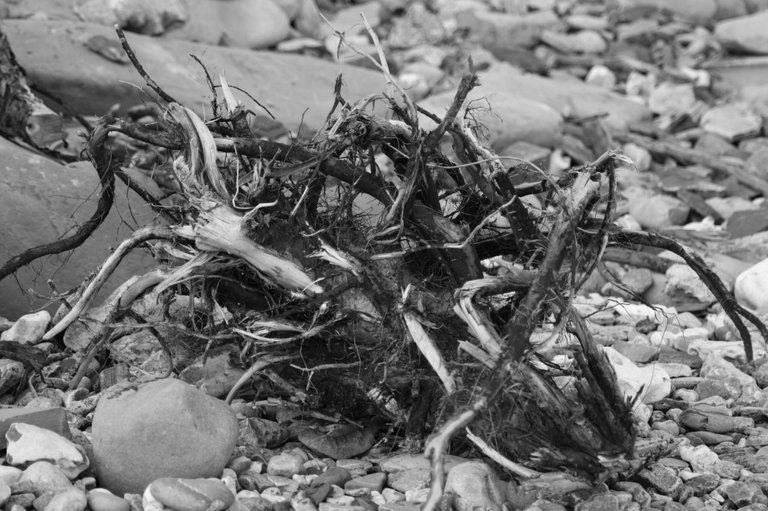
(382, 265)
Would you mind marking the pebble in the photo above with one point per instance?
(285, 465)
(373, 482)
(733, 121)
(474, 484)
(409, 479)
(751, 287)
(100, 499)
(28, 329)
(191, 494)
(655, 212)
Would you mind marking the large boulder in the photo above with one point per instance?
(42, 201)
(166, 428)
(296, 89)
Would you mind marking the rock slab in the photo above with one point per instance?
(294, 88)
(166, 428)
(40, 202)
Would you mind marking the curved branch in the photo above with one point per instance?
(105, 168)
(138, 237)
(730, 306)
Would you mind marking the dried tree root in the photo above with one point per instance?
(261, 363)
(138, 237)
(114, 306)
(577, 202)
(730, 306)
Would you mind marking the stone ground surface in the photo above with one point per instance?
(687, 73)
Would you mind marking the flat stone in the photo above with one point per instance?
(296, 89)
(727, 206)
(374, 482)
(28, 444)
(583, 41)
(658, 211)
(40, 202)
(746, 223)
(745, 33)
(53, 419)
(285, 465)
(409, 479)
(142, 435)
(638, 353)
(733, 121)
(669, 98)
(334, 475)
(416, 461)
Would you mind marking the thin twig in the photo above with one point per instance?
(135, 61)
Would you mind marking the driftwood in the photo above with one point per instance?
(423, 308)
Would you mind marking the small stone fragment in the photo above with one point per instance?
(192, 494)
(285, 465)
(474, 484)
(751, 287)
(409, 479)
(662, 478)
(732, 121)
(374, 482)
(28, 329)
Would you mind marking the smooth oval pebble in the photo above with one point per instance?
(68, 500)
(192, 494)
(100, 499)
(42, 476)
